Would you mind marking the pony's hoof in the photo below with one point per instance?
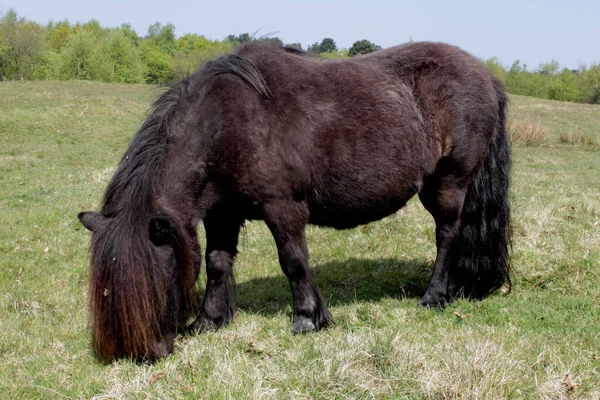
(303, 325)
(432, 303)
(202, 324)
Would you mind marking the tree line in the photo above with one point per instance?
(550, 81)
(87, 51)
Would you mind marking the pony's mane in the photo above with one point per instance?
(232, 64)
(137, 177)
(126, 317)
(137, 173)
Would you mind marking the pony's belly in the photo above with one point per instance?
(349, 216)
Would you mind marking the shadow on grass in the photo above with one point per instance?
(341, 282)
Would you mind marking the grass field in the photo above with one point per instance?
(59, 143)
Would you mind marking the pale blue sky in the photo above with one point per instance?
(530, 31)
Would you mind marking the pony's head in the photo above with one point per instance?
(144, 259)
(143, 272)
(145, 255)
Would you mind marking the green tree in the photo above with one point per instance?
(57, 34)
(163, 37)
(494, 66)
(563, 86)
(130, 33)
(81, 58)
(551, 68)
(327, 45)
(23, 45)
(273, 40)
(192, 42)
(158, 63)
(194, 52)
(516, 78)
(48, 67)
(362, 47)
(589, 84)
(4, 59)
(237, 40)
(93, 26)
(125, 63)
(242, 38)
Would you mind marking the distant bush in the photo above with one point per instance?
(336, 54)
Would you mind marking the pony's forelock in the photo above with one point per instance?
(130, 284)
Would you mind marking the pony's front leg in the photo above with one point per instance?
(218, 306)
(287, 222)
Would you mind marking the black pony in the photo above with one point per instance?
(274, 134)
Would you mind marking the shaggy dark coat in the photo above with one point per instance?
(275, 134)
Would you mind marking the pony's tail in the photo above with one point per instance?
(483, 264)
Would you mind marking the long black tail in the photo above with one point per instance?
(483, 264)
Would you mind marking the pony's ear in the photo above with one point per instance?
(160, 230)
(92, 220)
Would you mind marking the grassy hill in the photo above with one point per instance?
(59, 143)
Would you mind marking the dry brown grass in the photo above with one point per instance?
(526, 132)
(577, 138)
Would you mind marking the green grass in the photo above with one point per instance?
(59, 142)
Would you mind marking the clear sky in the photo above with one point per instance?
(530, 31)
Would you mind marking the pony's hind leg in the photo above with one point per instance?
(287, 222)
(218, 306)
(443, 196)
